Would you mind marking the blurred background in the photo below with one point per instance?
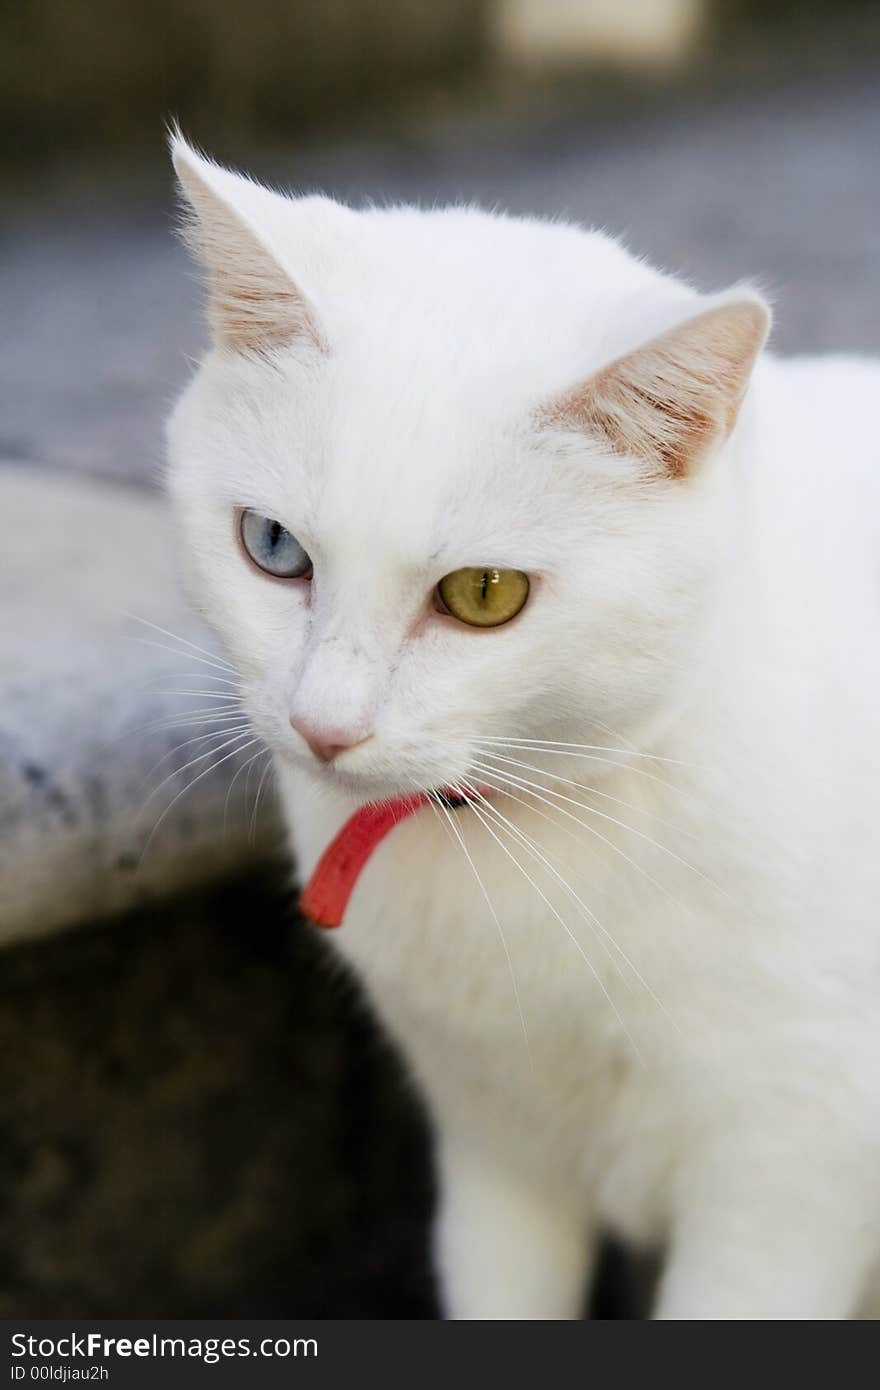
(197, 1116)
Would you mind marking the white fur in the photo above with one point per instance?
(725, 1099)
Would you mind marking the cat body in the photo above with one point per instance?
(637, 978)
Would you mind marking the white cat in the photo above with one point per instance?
(486, 504)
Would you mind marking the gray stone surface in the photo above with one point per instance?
(96, 811)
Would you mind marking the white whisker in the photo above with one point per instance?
(212, 767)
(188, 719)
(547, 745)
(175, 637)
(535, 850)
(187, 743)
(495, 918)
(184, 656)
(601, 761)
(525, 786)
(633, 830)
(179, 771)
(235, 776)
(217, 696)
(201, 675)
(593, 791)
(192, 719)
(565, 927)
(266, 770)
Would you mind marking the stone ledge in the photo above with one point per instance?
(85, 700)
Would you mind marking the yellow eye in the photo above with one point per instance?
(484, 597)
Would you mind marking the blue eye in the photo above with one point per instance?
(272, 547)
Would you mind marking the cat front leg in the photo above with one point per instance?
(508, 1246)
(791, 1243)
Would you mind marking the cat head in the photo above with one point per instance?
(447, 477)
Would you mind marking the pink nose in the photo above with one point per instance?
(324, 743)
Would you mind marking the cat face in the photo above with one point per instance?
(425, 422)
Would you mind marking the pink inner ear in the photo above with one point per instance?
(255, 305)
(654, 420)
(253, 311)
(668, 401)
(641, 421)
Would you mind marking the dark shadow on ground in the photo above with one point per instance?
(198, 1117)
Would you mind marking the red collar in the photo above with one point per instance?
(331, 885)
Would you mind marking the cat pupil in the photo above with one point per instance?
(275, 529)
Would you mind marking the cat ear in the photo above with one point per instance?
(669, 401)
(254, 305)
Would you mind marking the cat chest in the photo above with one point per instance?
(553, 1084)
(521, 1022)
